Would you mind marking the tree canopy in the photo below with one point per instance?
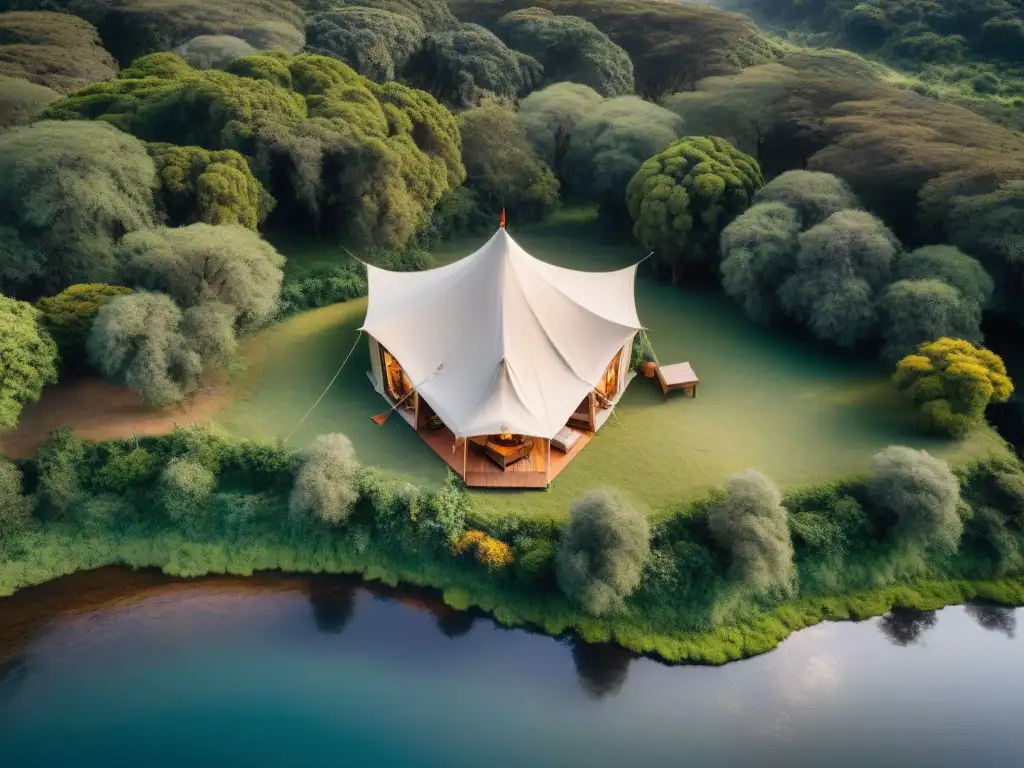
(56, 50)
(952, 382)
(197, 185)
(681, 199)
(913, 312)
(432, 14)
(68, 316)
(29, 359)
(213, 51)
(325, 484)
(602, 554)
(549, 116)
(950, 265)
(202, 264)
(22, 101)
(68, 190)
(465, 63)
(340, 154)
(502, 169)
(813, 195)
(375, 43)
(570, 49)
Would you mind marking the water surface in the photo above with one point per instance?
(112, 668)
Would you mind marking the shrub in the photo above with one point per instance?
(28, 359)
(125, 466)
(213, 51)
(200, 264)
(21, 101)
(923, 494)
(325, 484)
(950, 265)
(912, 312)
(55, 50)
(321, 286)
(68, 190)
(69, 315)
(186, 492)
(842, 265)
(376, 43)
(952, 382)
(441, 514)
(812, 194)
(488, 551)
(144, 342)
(15, 506)
(681, 199)
(602, 554)
(752, 525)
(60, 461)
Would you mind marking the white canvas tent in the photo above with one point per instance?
(501, 341)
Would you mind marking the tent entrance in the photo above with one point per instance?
(397, 385)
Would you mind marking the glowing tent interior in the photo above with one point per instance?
(498, 357)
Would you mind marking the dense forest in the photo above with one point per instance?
(852, 172)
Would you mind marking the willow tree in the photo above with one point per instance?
(68, 190)
(570, 49)
(681, 199)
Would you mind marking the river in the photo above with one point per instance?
(114, 668)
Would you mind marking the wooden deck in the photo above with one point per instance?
(481, 472)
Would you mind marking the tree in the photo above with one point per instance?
(549, 117)
(29, 359)
(144, 342)
(200, 264)
(325, 484)
(197, 185)
(461, 65)
(432, 14)
(569, 49)
(55, 50)
(758, 251)
(952, 382)
(185, 491)
(68, 190)
(22, 101)
(681, 199)
(15, 506)
(601, 556)
(753, 526)
(60, 460)
(842, 265)
(213, 51)
(607, 147)
(922, 493)
(375, 43)
(812, 194)
(501, 167)
(69, 315)
(913, 312)
(950, 265)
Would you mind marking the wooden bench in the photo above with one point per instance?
(677, 376)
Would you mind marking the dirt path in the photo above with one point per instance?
(99, 410)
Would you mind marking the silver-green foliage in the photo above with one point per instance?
(601, 557)
(21, 101)
(145, 342)
(213, 51)
(28, 358)
(753, 526)
(950, 265)
(922, 492)
(914, 312)
(549, 116)
(185, 491)
(376, 43)
(325, 485)
(200, 263)
(68, 190)
(814, 195)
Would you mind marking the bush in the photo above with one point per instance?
(681, 199)
(812, 194)
(913, 312)
(55, 50)
(752, 525)
(69, 315)
(200, 264)
(325, 484)
(950, 265)
(376, 43)
(322, 286)
(28, 359)
(15, 506)
(21, 101)
(601, 557)
(68, 190)
(923, 494)
(488, 551)
(213, 51)
(186, 492)
(952, 382)
(60, 461)
(144, 342)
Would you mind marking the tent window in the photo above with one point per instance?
(609, 383)
(396, 382)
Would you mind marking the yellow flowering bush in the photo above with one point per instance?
(490, 552)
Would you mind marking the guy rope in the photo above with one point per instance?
(322, 394)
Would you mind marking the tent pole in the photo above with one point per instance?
(547, 465)
(465, 457)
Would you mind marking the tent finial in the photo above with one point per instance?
(501, 221)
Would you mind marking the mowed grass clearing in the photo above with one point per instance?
(796, 411)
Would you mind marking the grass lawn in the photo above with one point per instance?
(785, 406)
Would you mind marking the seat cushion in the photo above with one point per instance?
(565, 439)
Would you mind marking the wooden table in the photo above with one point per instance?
(677, 376)
(504, 455)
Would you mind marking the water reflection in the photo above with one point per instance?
(904, 626)
(993, 617)
(600, 667)
(454, 623)
(333, 604)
